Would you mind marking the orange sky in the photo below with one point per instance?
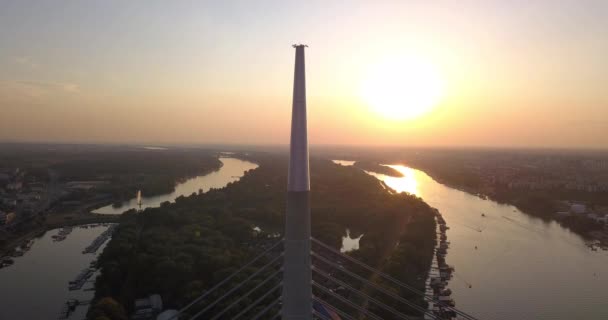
(515, 73)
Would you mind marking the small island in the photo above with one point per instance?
(378, 168)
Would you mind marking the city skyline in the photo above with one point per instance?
(512, 74)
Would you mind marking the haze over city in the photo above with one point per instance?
(445, 73)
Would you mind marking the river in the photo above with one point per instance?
(36, 285)
(232, 169)
(523, 267)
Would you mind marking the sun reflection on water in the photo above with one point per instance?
(407, 183)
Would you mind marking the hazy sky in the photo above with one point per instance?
(516, 73)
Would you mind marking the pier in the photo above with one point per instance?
(440, 274)
(62, 234)
(100, 240)
(70, 306)
(81, 279)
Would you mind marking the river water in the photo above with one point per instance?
(36, 286)
(232, 169)
(523, 267)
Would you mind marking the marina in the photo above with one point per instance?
(32, 294)
(6, 261)
(62, 234)
(440, 274)
(81, 279)
(101, 239)
(17, 252)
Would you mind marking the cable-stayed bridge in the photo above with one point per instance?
(339, 284)
(301, 278)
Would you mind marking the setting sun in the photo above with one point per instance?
(402, 87)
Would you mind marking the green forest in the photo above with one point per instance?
(154, 172)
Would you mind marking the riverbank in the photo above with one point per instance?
(541, 206)
(121, 173)
(230, 170)
(377, 167)
(440, 274)
(75, 219)
(499, 252)
(54, 221)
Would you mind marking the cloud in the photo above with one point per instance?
(51, 86)
(35, 89)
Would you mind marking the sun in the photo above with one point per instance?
(402, 87)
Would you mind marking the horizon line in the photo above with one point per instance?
(286, 145)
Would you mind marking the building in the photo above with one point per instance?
(14, 186)
(578, 208)
(147, 308)
(598, 217)
(7, 218)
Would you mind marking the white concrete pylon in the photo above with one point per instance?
(297, 277)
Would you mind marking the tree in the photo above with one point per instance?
(108, 308)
